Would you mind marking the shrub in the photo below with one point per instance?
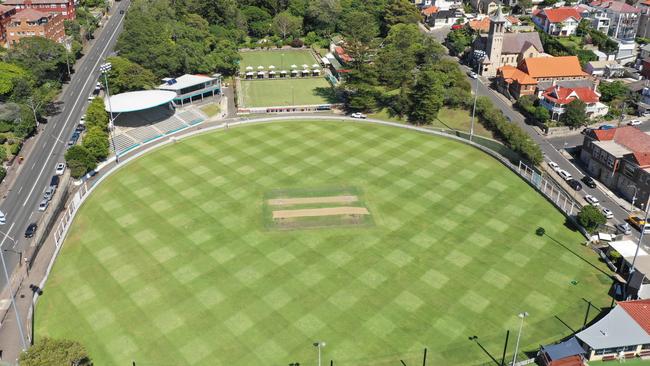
(297, 43)
(14, 149)
(80, 161)
(590, 218)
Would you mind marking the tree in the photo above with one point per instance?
(574, 114)
(96, 142)
(258, 19)
(128, 76)
(399, 12)
(9, 73)
(96, 115)
(55, 352)
(321, 16)
(285, 25)
(80, 161)
(523, 5)
(44, 58)
(612, 90)
(457, 41)
(590, 218)
(425, 98)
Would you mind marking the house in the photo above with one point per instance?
(437, 18)
(643, 29)
(620, 159)
(623, 333)
(341, 55)
(644, 51)
(483, 25)
(499, 48)
(567, 353)
(6, 12)
(645, 67)
(606, 69)
(626, 51)
(64, 7)
(447, 4)
(32, 23)
(523, 80)
(485, 6)
(556, 98)
(623, 18)
(639, 282)
(558, 21)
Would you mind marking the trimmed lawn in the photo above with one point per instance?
(284, 92)
(448, 118)
(281, 59)
(169, 262)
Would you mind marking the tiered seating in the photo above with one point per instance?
(123, 142)
(170, 125)
(144, 133)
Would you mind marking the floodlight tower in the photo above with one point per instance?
(105, 68)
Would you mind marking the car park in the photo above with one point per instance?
(592, 200)
(31, 230)
(608, 213)
(589, 181)
(623, 228)
(358, 115)
(43, 205)
(574, 184)
(60, 169)
(634, 122)
(564, 174)
(554, 166)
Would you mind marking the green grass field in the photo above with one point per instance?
(284, 92)
(282, 60)
(170, 263)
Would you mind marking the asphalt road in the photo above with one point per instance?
(552, 153)
(562, 142)
(21, 202)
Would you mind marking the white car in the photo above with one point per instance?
(592, 200)
(635, 122)
(565, 175)
(60, 168)
(472, 75)
(3, 218)
(608, 213)
(43, 205)
(91, 97)
(358, 115)
(554, 166)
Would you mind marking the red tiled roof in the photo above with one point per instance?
(567, 95)
(483, 25)
(568, 361)
(639, 310)
(5, 8)
(646, 3)
(550, 67)
(342, 54)
(510, 74)
(430, 10)
(39, 2)
(31, 15)
(617, 6)
(560, 14)
(633, 139)
(605, 135)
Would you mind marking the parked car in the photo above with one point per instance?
(358, 115)
(472, 75)
(54, 181)
(623, 228)
(592, 200)
(73, 139)
(574, 184)
(589, 181)
(80, 128)
(608, 213)
(31, 230)
(49, 193)
(60, 169)
(554, 166)
(3, 218)
(43, 205)
(91, 97)
(639, 223)
(606, 127)
(565, 175)
(634, 122)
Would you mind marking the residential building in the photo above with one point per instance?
(523, 79)
(447, 4)
(643, 29)
(620, 159)
(485, 6)
(189, 87)
(600, 21)
(644, 51)
(32, 23)
(6, 12)
(622, 333)
(645, 67)
(441, 18)
(561, 22)
(556, 98)
(567, 353)
(64, 7)
(639, 281)
(483, 25)
(626, 51)
(606, 69)
(623, 18)
(500, 48)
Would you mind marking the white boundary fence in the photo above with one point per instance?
(549, 189)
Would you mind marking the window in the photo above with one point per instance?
(630, 349)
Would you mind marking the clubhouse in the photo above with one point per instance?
(190, 87)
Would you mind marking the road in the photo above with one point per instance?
(21, 202)
(552, 153)
(562, 142)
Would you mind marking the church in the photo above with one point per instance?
(499, 48)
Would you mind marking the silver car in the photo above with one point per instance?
(49, 193)
(43, 205)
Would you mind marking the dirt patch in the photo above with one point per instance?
(316, 212)
(311, 200)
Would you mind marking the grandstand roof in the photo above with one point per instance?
(184, 81)
(139, 100)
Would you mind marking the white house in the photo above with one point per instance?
(556, 98)
(559, 21)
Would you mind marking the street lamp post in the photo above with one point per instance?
(522, 315)
(633, 197)
(13, 299)
(20, 255)
(638, 246)
(319, 345)
(471, 128)
(105, 68)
